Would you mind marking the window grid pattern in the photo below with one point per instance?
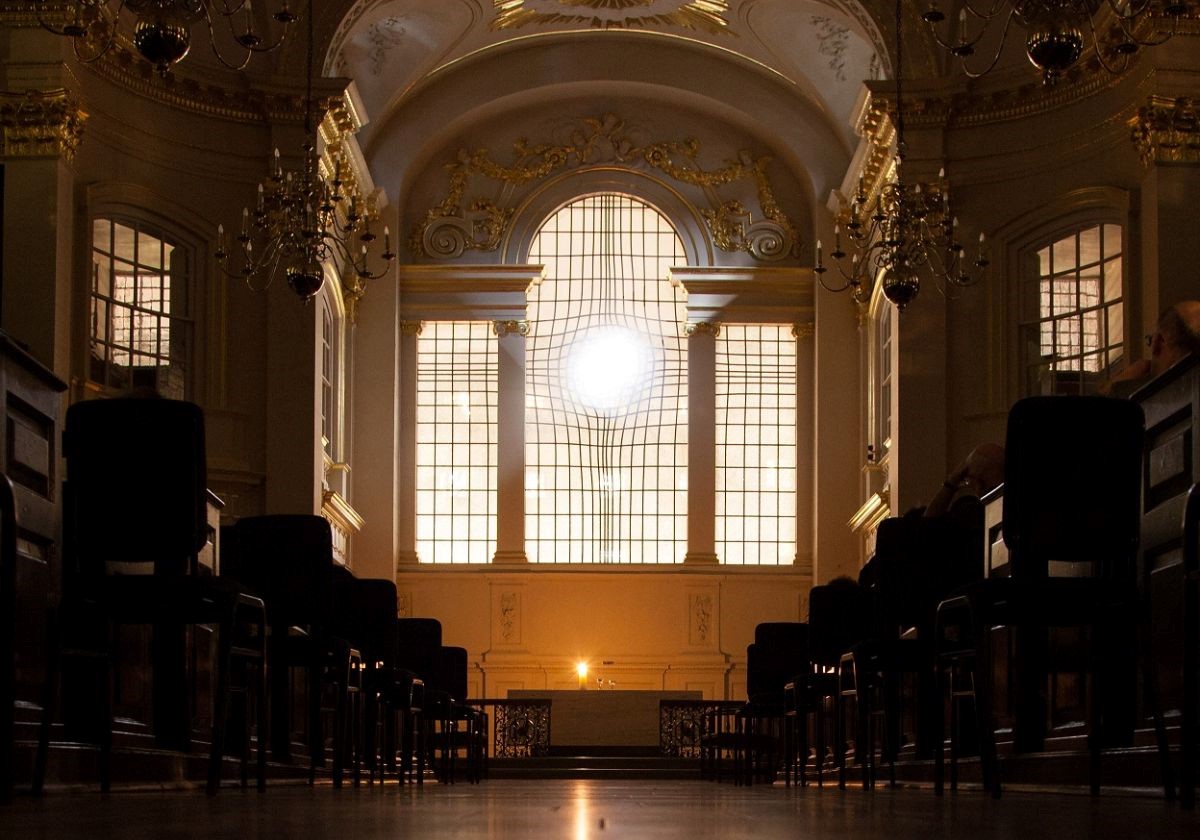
(327, 372)
(1078, 335)
(139, 319)
(756, 445)
(606, 480)
(883, 393)
(457, 383)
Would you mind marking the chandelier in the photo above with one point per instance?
(162, 28)
(903, 232)
(1058, 32)
(300, 221)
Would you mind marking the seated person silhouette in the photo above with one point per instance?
(976, 476)
(1175, 337)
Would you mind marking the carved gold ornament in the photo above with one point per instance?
(455, 225)
(41, 123)
(701, 15)
(501, 328)
(1167, 130)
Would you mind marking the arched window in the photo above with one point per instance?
(606, 388)
(140, 309)
(1073, 311)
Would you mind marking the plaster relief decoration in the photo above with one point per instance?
(701, 619)
(404, 604)
(509, 618)
(702, 15)
(383, 36)
(460, 223)
(833, 39)
(1167, 130)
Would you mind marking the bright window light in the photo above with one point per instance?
(609, 368)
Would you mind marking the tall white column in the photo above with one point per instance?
(702, 443)
(510, 442)
(406, 451)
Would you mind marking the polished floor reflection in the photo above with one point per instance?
(583, 810)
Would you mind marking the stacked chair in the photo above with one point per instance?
(365, 615)
(455, 726)
(8, 611)
(1071, 525)
(134, 522)
(288, 561)
(754, 733)
(1190, 725)
(778, 654)
(418, 646)
(838, 618)
(918, 562)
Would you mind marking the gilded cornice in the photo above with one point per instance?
(1167, 130)
(340, 513)
(41, 123)
(458, 224)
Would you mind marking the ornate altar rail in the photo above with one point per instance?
(519, 728)
(681, 723)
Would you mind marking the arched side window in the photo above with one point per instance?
(1072, 290)
(606, 388)
(140, 312)
(881, 431)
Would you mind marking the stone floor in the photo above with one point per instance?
(604, 810)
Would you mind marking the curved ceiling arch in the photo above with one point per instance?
(574, 69)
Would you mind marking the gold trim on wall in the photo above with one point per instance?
(701, 15)
(458, 224)
(40, 123)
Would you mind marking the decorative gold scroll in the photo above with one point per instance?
(701, 15)
(454, 226)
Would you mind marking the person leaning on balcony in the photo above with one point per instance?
(1175, 337)
(982, 470)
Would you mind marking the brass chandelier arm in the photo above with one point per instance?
(1057, 31)
(162, 33)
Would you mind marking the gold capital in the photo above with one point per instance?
(41, 123)
(702, 328)
(805, 330)
(1167, 130)
(411, 328)
(510, 327)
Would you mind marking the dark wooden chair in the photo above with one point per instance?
(460, 727)
(287, 560)
(1071, 525)
(8, 610)
(1190, 725)
(365, 614)
(134, 522)
(918, 562)
(418, 643)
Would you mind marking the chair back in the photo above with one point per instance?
(418, 641)
(1072, 486)
(287, 560)
(781, 653)
(919, 561)
(134, 500)
(838, 619)
(365, 615)
(451, 672)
